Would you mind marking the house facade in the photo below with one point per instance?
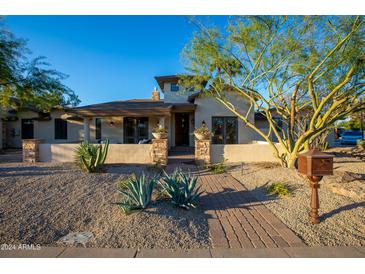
(132, 121)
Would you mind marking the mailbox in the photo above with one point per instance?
(315, 163)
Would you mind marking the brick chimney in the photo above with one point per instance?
(155, 95)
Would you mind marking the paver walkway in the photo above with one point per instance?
(237, 220)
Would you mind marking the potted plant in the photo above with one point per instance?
(159, 132)
(202, 133)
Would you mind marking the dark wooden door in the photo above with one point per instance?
(181, 129)
(27, 129)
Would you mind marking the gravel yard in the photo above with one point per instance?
(343, 216)
(41, 203)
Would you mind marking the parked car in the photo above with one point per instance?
(351, 137)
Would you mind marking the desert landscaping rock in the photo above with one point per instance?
(43, 202)
(76, 238)
(342, 217)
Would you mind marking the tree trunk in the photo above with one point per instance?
(291, 161)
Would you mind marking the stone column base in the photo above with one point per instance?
(202, 152)
(31, 150)
(160, 151)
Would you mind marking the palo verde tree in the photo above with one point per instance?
(305, 70)
(25, 82)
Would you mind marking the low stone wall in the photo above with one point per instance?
(258, 152)
(117, 153)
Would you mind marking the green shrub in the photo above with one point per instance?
(91, 157)
(159, 129)
(361, 144)
(182, 189)
(136, 193)
(123, 184)
(218, 168)
(278, 189)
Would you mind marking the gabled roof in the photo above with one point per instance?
(136, 107)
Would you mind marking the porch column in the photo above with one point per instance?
(161, 121)
(30, 150)
(86, 129)
(202, 152)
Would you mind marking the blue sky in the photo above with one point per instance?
(108, 57)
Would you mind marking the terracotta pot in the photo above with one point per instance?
(159, 135)
(201, 136)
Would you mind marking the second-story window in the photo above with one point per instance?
(174, 87)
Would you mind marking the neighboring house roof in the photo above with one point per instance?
(136, 107)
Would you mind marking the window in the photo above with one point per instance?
(27, 129)
(174, 87)
(98, 128)
(60, 128)
(225, 130)
(135, 129)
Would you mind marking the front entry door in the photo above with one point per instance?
(27, 129)
(181, 129)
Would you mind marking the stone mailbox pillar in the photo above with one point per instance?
(160, 151)
(202, 152)
(31, 150)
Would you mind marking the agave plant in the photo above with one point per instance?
(136, 193)
(91, 157)
(181, 188)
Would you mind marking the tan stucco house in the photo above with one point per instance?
(132, 121)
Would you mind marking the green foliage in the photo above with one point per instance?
(204, 130)
(306, 72)
(123, 184)
(29, 83)
(136, 193)
(278, 189)
(159, 129)
(361, 144)
(91, 157)
(181, 188)
(350, 124)
(218, 168)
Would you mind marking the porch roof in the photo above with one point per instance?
(143, 107)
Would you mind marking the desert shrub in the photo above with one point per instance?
(218, 168)
(123, 184)
(181, 188)
(91, 157)
(279, 189)
(136, 193)
(361, 144)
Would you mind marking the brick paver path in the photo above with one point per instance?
(237, 220)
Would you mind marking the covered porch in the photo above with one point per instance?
(132, 122)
